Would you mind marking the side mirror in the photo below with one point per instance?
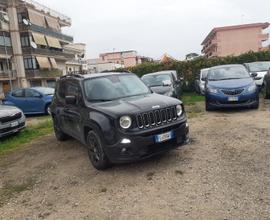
(254, 75)
(204, 78)
(71, 100)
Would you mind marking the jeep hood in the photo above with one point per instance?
(136, 104)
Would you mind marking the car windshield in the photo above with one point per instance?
(45, 90)
(157, 80)
(114, 87)
(226, 73)
(259, 66)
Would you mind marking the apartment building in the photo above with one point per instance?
(99, 65)
(128, 58)
(235, 40)
(32, 45)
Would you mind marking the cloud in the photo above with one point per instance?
(153, 27)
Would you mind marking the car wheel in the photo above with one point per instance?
(47, 109)
(96, 152)
(59, 134)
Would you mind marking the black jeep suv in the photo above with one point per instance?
(117, 117)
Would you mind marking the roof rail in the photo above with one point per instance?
(70, 75)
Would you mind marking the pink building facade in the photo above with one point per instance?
(125, 58)
(235, 40)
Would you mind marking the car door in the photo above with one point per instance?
(17, 97)
(34, 101)
(71, 112)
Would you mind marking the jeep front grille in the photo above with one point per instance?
(156, 117)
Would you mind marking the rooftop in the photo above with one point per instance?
(234, 27)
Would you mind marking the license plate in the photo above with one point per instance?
(164, 137)
(14, 124)
(233, 99)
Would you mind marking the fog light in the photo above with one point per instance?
(125, 141)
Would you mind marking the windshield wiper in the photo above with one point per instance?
(155, 85)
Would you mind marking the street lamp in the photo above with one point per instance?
(4, 18)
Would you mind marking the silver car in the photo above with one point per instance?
(12, 120)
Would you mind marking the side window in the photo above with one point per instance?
(31, 93)
(18, 93)
(68, 89)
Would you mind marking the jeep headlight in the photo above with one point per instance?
(252, 88)
(125, 122)
(179, 110)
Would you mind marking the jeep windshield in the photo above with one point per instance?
(157, 80)
(227, 73)
(108, 88)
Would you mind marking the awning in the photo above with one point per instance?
(53, 62)
(53, 42)
(39, 39)
(43, 62)
(53, 23)
(36, 18)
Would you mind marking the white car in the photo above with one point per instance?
(258, 70)
(12, 120)
(201, 80)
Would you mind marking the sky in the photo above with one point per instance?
(153, 27)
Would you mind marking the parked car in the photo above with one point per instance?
(258, 70)
(34, 100)
(12, 120)
(230, 86)
(266, 83)
(200, 81)
(117, 117)
(164, 83)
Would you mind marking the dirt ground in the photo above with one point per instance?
(224, 173)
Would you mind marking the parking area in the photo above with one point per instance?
(222, 174)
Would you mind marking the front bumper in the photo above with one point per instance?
(143, 146)
(221, 100)
(7, 130)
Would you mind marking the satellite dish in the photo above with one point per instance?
(6, 18)
(33, 44)
(26, 22)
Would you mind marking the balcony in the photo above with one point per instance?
(47, 52)
(6, 75)
(40, 74)
(47, 31)
(3, 51)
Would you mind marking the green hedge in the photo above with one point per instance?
(189, 69)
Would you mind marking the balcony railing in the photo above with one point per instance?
(8, 74)
(43, 73)
(47, 31)
(46, 9)
(47, 52)
(3, 51)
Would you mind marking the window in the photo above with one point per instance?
(35, 83)
(68, 89)
(25, 41)
(18, 93)
(30, 63)
(31, 93)
(51, 83)
(5, 41)
(21, 16)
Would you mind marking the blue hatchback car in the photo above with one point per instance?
(230, 86)
(34, 100)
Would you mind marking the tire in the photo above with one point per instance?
(59, 134)
(47, 109)
(96, 153)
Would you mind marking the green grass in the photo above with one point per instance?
(191, 98)
(25, 136)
